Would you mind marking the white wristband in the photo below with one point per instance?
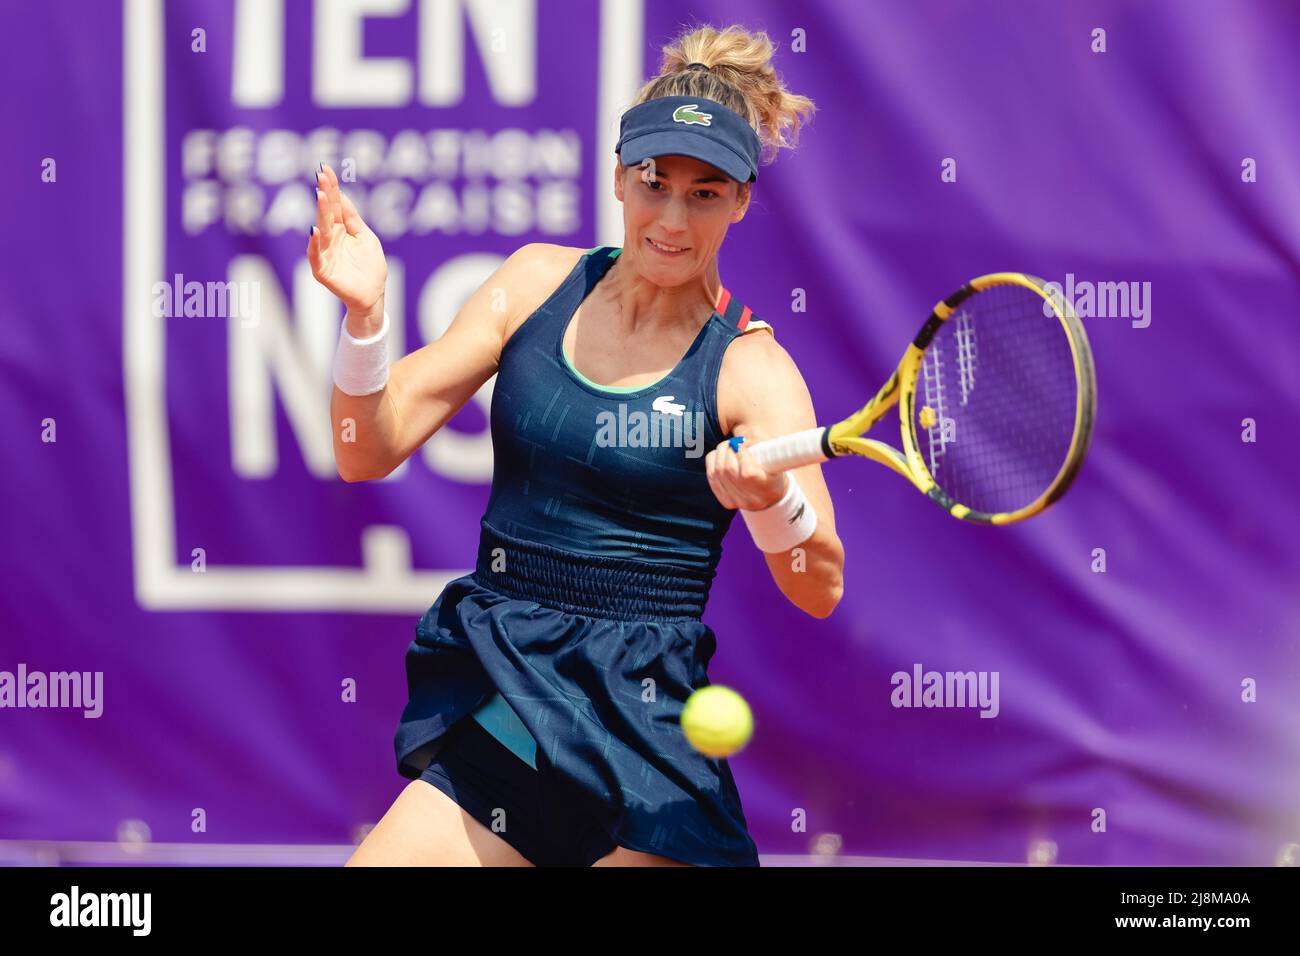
(361, 365)
(789, 522)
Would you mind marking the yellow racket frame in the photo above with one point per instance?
(846, 437)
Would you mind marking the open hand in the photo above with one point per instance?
(344, 253)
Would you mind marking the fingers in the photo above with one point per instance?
(315, 236)
(746, 466)
(324, 216)
(328, 210)
(725, 470)
(333, 206)
(322, 234)
(738, 481)
(712, 470)
(334, 194)
(352, 221)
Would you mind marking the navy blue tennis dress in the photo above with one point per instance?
(581, 621)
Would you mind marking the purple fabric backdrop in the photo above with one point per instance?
(226, 690)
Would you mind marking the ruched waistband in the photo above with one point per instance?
(619, 588)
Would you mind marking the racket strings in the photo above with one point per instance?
(995, 404)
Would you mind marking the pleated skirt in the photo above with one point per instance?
(597, 657)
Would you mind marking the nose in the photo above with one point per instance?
(673, 219)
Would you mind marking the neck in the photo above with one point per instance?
(640, 303)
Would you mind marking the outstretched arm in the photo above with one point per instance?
(376, 432)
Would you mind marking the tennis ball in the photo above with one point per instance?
(717, 721)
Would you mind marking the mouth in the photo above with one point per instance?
(668, 252)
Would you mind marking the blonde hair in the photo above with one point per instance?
(740, 77)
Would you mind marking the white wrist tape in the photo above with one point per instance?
(789, 522)
(361, 365)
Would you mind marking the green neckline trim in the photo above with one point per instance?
(613, 389)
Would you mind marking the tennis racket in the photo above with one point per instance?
(996, 397)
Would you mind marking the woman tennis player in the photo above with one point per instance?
(546, 688)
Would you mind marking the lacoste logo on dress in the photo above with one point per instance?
(665, 405)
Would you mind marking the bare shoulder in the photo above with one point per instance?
(533, 272)
(757, 373)
(544, 258)
(750, 362)
(540, 267)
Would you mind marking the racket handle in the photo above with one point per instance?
(790, 451)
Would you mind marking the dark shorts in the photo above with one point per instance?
(537, 814)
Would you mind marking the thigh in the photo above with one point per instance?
(425, 827)
(622, 856)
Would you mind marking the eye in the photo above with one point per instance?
(708, 193)
(652, 183)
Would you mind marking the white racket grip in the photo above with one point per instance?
(790, 451)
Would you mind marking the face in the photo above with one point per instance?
(688, 204)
